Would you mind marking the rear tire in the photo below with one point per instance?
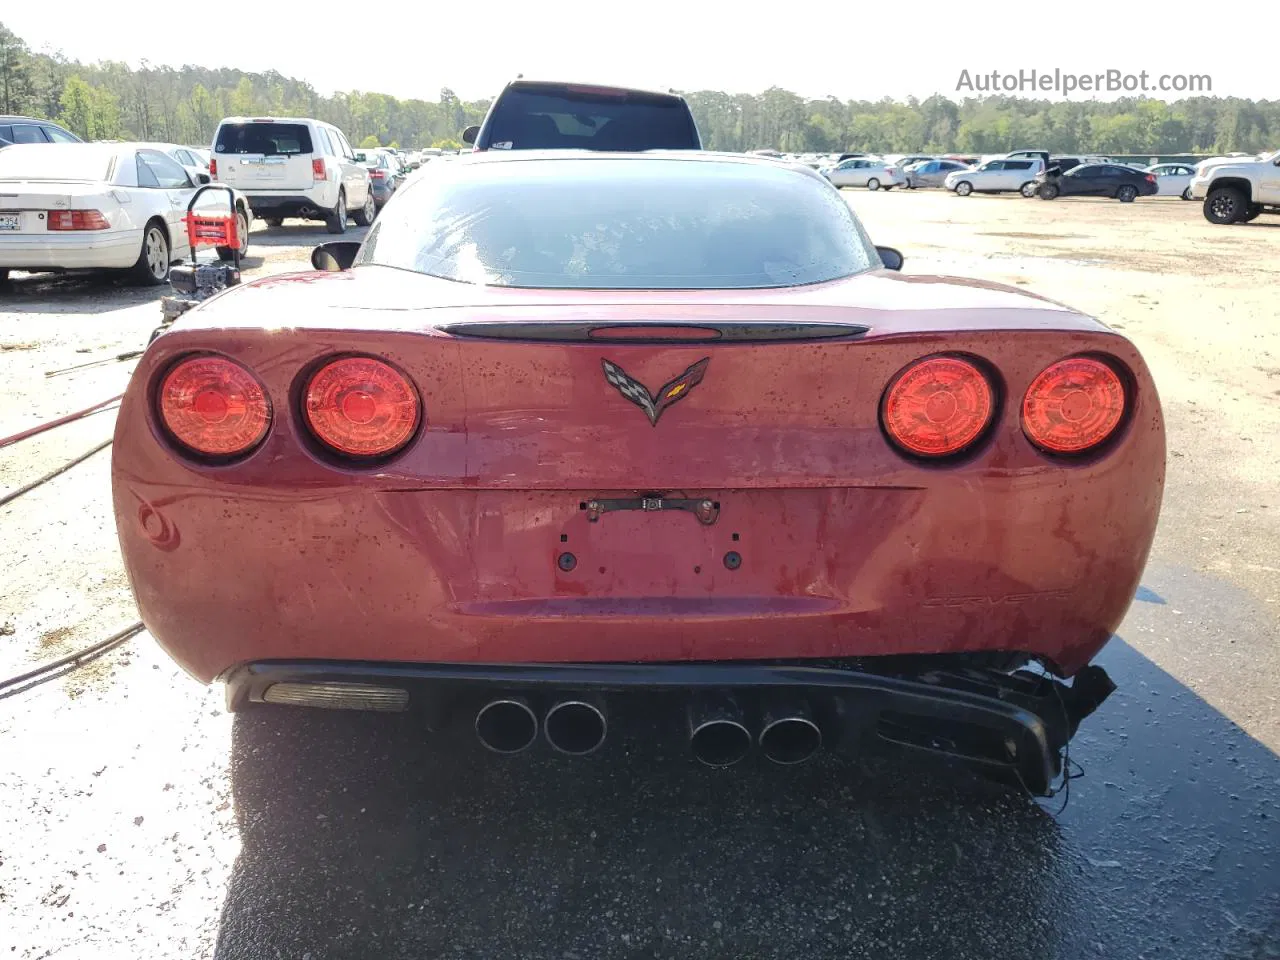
(1028, 189)
(1127, 194)
(873, 184)
(964, 188)
(364, 216)
(1186, 194)
(1047, 191)
(4, 276)
(275, 221)
(1225, 205)
(152, 268)
(336, 221)
(242, 231)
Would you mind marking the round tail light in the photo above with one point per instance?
(938, 406)
(361, 407)
(214, 407)
(1073, 405)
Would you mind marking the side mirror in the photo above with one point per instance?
(335, 256)
(202, 179)
(469, 135)
(890, 257)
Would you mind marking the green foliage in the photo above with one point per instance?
(112, 100)
(90, 113)
(370, 142)
(780, 120)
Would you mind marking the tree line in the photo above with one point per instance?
(110, 100)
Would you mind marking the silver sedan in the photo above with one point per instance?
(930, 173)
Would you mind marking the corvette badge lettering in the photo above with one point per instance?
(653, 404)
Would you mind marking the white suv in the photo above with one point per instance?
(996, 176)
(293, 167)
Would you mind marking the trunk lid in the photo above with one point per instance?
(25, 204)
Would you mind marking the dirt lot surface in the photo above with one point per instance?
(137, 818)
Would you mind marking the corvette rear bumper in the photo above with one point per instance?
(1012, 725)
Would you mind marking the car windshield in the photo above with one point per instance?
(271, 139)
(568, 119)
(72, 161)
(621, 224)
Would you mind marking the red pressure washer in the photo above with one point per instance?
(197, 282)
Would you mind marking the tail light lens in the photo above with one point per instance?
(213, 168)
(376, 175)
(214, 407)
(361, 407)
(76, 220)
(1151, 178)
(938, 406)
(317, 169)
(1073, 406)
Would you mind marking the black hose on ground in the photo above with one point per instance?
(15, 494)
(78, 658)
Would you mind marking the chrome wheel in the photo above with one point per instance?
(1028, 189)
(242, 228)
(873, 184)
(964, 188)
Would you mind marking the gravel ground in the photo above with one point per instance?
(138, 818)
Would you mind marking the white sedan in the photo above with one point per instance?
(861, 172)
(1173, 179)
(74, 206)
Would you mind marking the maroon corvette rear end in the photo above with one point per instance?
(526, 475)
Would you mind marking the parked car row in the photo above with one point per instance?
(66, 206)
(1030, 172)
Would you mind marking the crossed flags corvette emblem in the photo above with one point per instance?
(653, 404)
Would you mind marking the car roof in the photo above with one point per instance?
(261, 119)
(522, 84)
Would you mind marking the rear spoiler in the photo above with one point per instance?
(629, 331)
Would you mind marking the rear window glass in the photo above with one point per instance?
(533, 120)
(74, 161)
(620, 224)
(272, 139)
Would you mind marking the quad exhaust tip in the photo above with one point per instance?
(718, 736)
(788, 733)
(720, 743)
(507, 726)
(575, 727)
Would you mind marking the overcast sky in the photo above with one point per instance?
(862, 50)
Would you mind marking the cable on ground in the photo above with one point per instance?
(78, 659)
(15, 494)
(41, 428)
